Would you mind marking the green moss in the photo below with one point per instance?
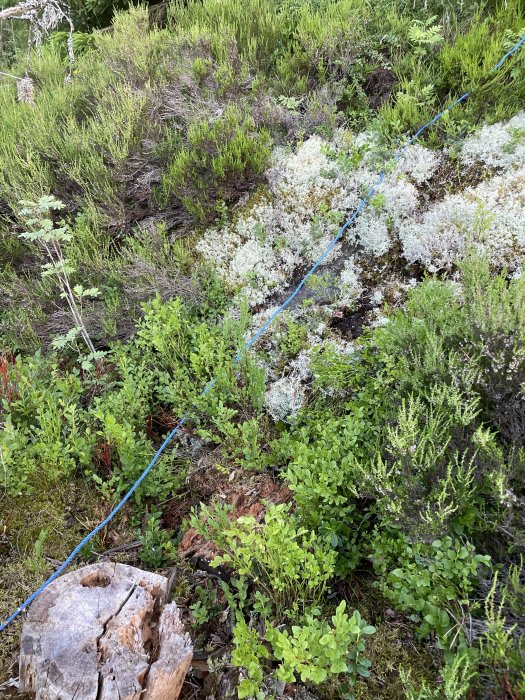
(64, 512)
(390, 649)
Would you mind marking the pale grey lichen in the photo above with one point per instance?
(489, 217)
(287, 395)
(500, 145)
(350, 287)
(311, 190)
(309, 195)
(266, 244)
(419, 163)
(376, 298)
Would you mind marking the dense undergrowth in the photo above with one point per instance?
(360, 473)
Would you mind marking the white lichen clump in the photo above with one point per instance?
(294, 224)
(500, 145)
(395, 200)
(489, 218)
(419, 163)
(312, 191)
(350, 288)
(287, 395)
(269, 242)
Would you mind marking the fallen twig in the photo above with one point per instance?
(121, 548)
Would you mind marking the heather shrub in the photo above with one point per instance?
(494, 310)
(324, 46)
(436, 61)
(436, 467)
(221, 159)
(136, 52)
(457, 676)
(472, 335)
(411, 441)
(97, 129)
(466, 62)
(89, 14)
(257, 27)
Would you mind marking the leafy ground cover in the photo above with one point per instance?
(344, 511)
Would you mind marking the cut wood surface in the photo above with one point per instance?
(103, 633)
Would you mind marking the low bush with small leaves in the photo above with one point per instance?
(286, 562)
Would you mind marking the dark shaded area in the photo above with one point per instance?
(378, 86)
(351, 321)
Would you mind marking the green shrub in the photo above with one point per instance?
(189, 353)
(466, 62)
(206, 607)
(285, 561)
(162, 373)
(249, 654)
(332, 444)
(292, 339)
(46, 432)
(220, 159)
(323, 461)
(157, 546)
(120, 417)
(314, 651)
(433, 583)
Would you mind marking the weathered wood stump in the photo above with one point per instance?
(103, 632)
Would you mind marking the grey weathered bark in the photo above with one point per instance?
(17, 10)
(102, 632)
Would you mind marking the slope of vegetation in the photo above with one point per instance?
(344, 510)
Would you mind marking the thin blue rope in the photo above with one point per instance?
(247, 346)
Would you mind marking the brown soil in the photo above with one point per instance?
(247, 496)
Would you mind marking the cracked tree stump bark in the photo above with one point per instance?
(104, 633)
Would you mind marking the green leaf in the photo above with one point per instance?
(246, 688)
(91, 292)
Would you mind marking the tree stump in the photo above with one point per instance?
(103, 632)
